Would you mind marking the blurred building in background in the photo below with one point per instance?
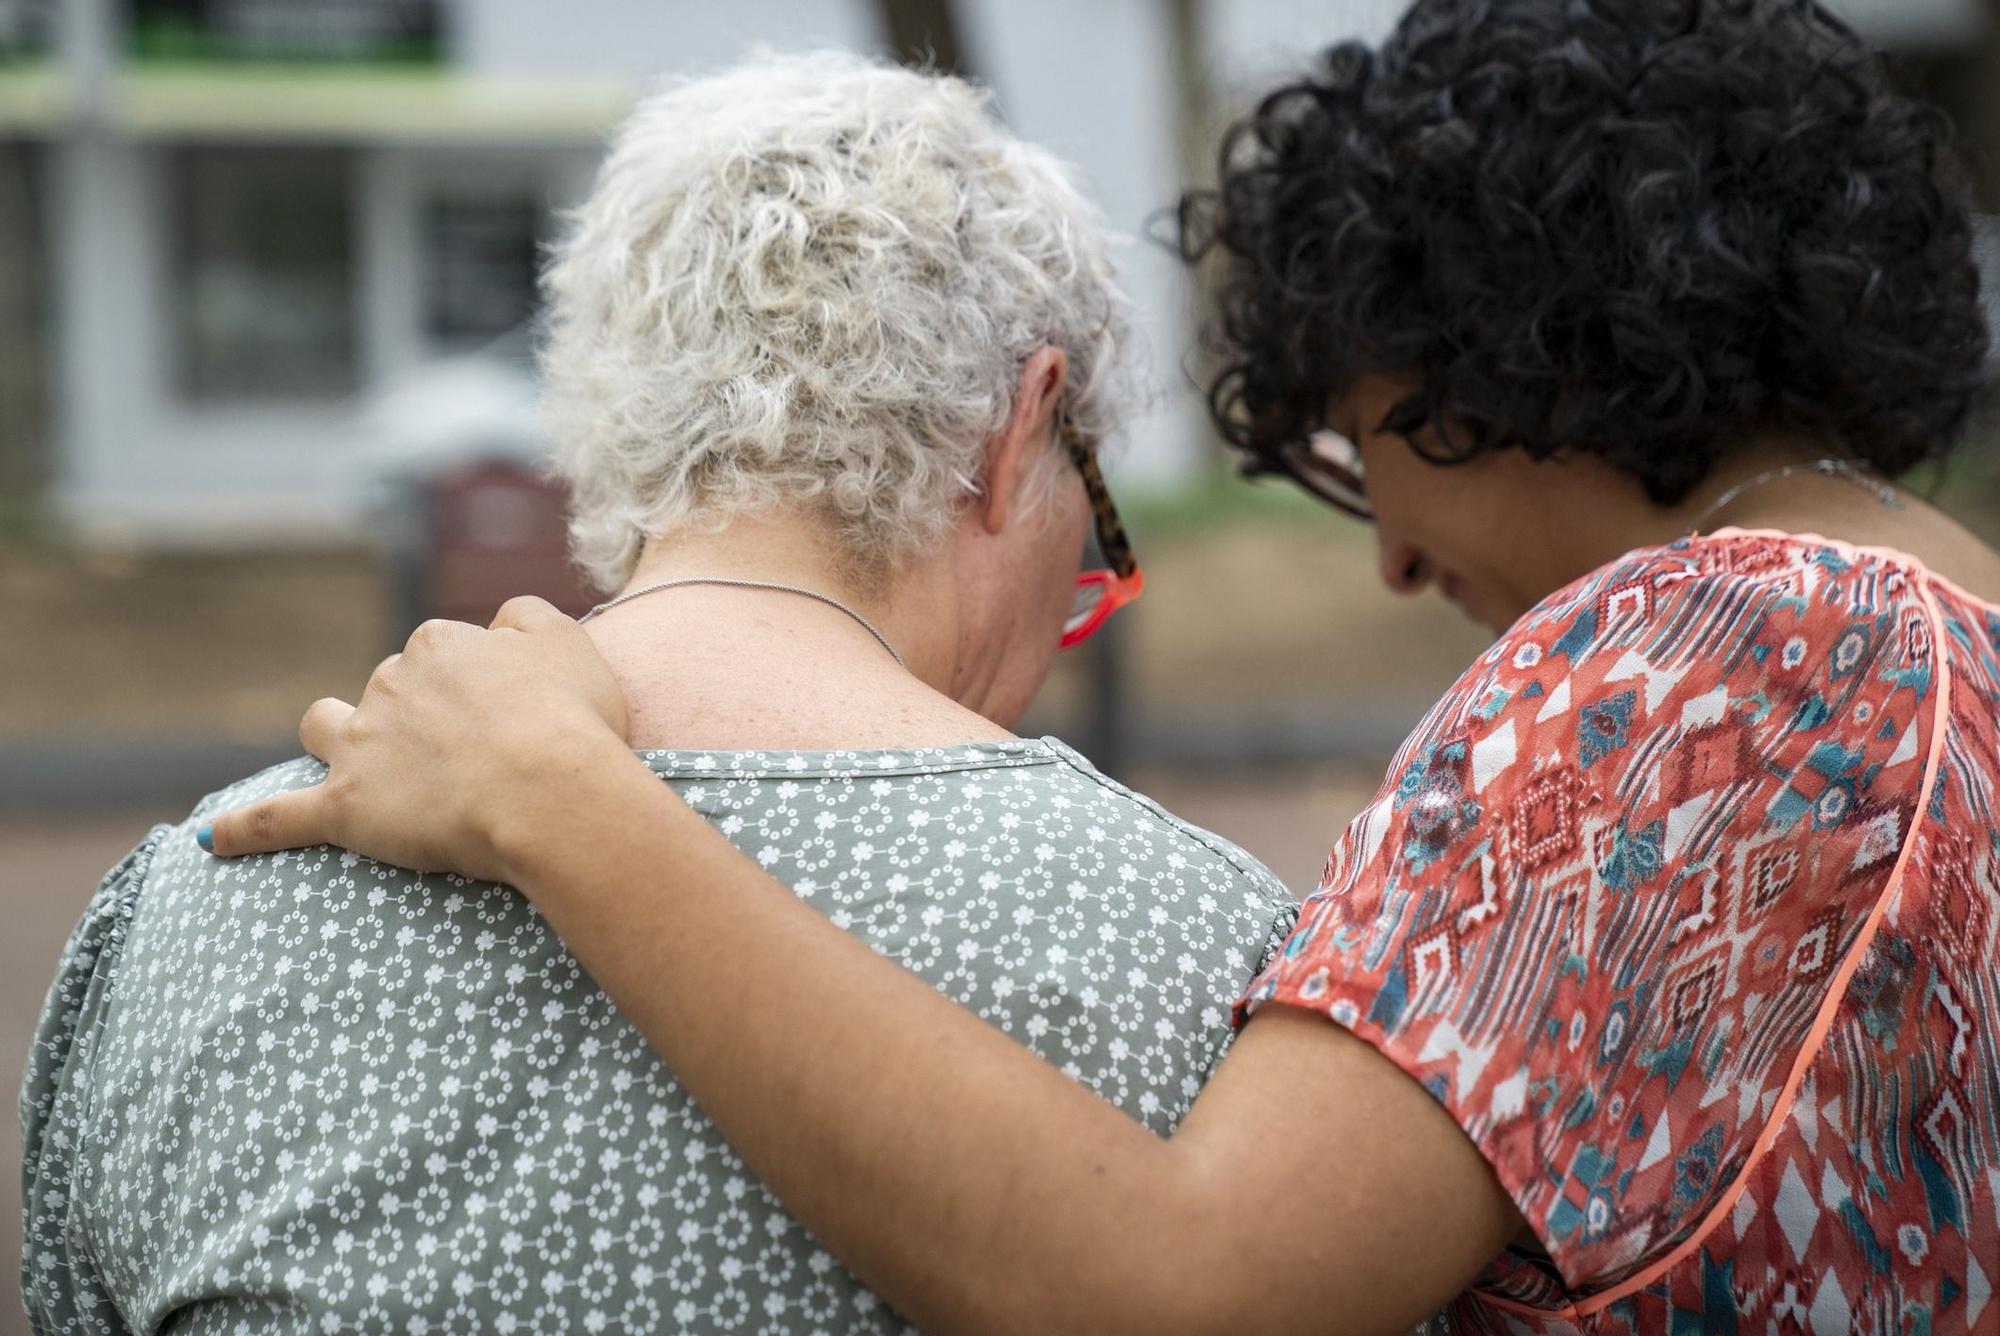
(231, 230)
(267, 289)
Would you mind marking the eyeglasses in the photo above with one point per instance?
(1099, 592)
(1327, 465)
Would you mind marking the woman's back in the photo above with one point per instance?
(312, 1088)
(1685, 905)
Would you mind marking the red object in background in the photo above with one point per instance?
(495, 528)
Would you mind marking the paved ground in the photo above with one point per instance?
(49, 865)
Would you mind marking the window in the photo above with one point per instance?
(480, 260)
(265, 273)
(26, 29)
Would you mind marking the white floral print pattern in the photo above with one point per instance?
(310, 1092)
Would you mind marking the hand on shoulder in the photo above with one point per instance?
(460, 743)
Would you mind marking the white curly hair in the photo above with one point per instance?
(814, 278)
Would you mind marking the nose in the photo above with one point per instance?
(1404, 568)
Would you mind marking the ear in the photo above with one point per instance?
(1011, 453)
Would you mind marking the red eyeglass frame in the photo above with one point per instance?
(1122, 581)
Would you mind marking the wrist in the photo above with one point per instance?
(563, 804)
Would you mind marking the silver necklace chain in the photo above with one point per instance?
(813, 594)
(1826, 468)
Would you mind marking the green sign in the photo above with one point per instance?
(319, 31)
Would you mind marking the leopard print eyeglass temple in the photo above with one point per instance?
(1100, 591)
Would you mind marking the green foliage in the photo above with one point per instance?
(23, 521)
(1218, 500)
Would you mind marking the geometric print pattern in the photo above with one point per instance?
(1685, 903)
(311, 1092)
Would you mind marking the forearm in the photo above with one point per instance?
(969, 1182)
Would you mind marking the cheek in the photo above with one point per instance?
(1459, 524)
(1062, 551)
(1069, 553)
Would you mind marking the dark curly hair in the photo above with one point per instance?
(1639, 229)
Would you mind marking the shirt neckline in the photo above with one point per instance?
(1893, 556)
(848, 762)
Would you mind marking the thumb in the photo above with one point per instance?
(525, 612)
(284, 821)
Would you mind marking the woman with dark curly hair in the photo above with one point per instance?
(1662, 973)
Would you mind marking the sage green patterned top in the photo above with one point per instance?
(310, 1092)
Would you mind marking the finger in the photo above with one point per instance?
(319, 730)
(285, 821)
(435, 630)
(375, 679)
(525, 612)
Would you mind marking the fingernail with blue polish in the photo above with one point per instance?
(205, 837)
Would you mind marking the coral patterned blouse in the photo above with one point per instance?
(1684, 903)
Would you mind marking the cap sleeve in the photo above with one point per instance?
(1588, 864)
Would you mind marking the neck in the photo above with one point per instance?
(1772, 482)
(1621, 517)
(1856, 507)
(787, 549)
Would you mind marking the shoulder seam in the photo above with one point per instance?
(1261, 877)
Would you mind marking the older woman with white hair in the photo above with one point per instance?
(828, 357)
